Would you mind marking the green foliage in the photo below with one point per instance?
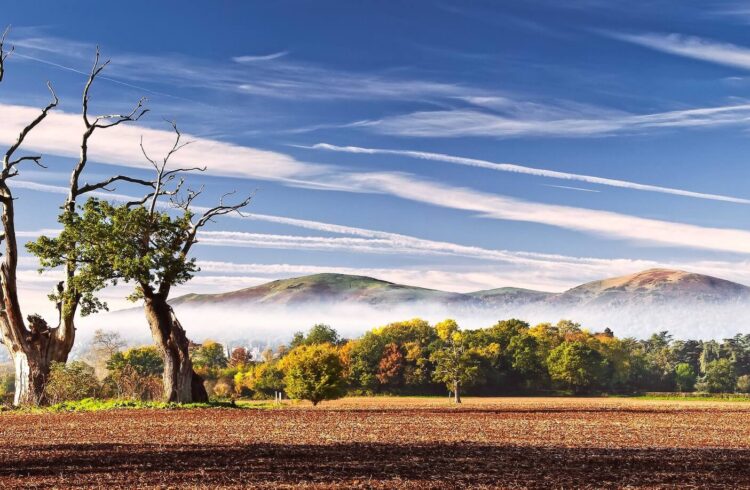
(719, 377)
(135, 374)
(118, 243)
(260, 380)
(146, 360)
(95, 405)
(318, 334)
(456, 364)
(577, 366)
(210, 355)
(72, 381)
(7, 384)
(313, 372)
(684, 377)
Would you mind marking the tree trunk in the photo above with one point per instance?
(457, 395)
(33, 353)
(181, 383)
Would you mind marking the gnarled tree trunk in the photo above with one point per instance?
(32, 358)
(456, 392)
(181, 383)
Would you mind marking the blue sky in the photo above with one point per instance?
(526, 143)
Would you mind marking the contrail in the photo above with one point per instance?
(521, 169)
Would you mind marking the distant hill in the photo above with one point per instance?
(328, 288)
(650, 287)
(510, 296)
(654, 286)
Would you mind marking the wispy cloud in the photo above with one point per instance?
(570, 188)
(515, 168)
(119, 146)
(691, 47)
(595, 222)
(262, 57)
(274, 75)
(471, 122)
(60, 132)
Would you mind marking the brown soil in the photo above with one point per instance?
(407, 443)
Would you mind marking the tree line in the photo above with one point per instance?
(414, 357)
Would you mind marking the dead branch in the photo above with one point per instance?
(9, 164)
(3, 54)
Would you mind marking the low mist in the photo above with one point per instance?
(272, 325)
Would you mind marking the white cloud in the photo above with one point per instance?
(263, 57)
(273, 75)
(60, 134)
(601, 223)
(471, 122)
(691, 47)
(515, 168)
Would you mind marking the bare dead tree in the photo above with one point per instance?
(29, 346)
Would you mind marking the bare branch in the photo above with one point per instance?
(117, 178)
(97, 123)
(3, 54)
(9, 164)
(219, 210)
(134, 115)
(185, 202)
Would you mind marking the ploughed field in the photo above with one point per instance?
(399, 442)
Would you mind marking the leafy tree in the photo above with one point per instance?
(34, 344)
(719, 377)
(268, 379)
(210, 355)
(146, 360)
(685, 377)
(455, 364)
(313, 372)
(576, 365)
(136, 243)
(239, 357)
(363, 361)
(391, 366)
(318, 334)
(524, 354)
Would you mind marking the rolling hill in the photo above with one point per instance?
(650, 287)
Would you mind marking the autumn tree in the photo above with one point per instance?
(239, 357)
(140, 244)
(313, 372)
(455, 363)
(391, 366)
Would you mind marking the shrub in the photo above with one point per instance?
(7, 385)
(127, 382)
(71, 382)
(222, 389)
